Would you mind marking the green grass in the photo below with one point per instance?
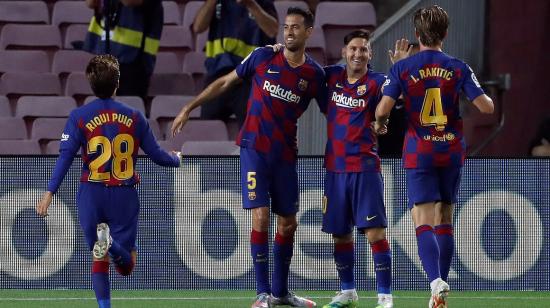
(230, 299)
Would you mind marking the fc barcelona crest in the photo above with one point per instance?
(302, 85)
(362, 89)
(251, 195)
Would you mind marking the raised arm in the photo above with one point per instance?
(204, 16)
(215, 89)
(484, 103)
(267, 23)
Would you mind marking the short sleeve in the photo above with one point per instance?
(391, 86)
(471, 86)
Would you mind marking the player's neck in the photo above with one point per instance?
(353, 76)
(295, 58)
(437, 47)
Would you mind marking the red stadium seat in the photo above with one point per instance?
(171, 84)
(172, 15)
(78, 86)
(19, 147)
(69, 61)
(24, 12)
(200, 42)
(46, 129)
(12, 128)
(189, 13)
(176, 39)
(316, 46)
(74, 33)
(5, 109)
(30, 37)
(71, 12)
(167, 63)
(44, 106)
(12, 83)
(194, 64)
(132, 101)
(52, 148)
(195, 130)
(282, 7)
(36, 61)
(339, 18)
(168, 106)
(210, 148)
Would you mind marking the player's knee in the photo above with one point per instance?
(375, 234)
(125, 270)
(342, 239)
(287, 229)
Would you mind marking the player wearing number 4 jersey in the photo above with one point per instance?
(110, 135)
(434, 148)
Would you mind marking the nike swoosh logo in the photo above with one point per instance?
(339, 85)
(269, 71)
(369, 218)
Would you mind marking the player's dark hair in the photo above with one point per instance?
(308, 16)
(361, 33)
(103, 73)
(431, 23)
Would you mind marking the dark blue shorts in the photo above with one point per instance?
(353, 199)
(433, 185)
(117, 206)
(263, 179)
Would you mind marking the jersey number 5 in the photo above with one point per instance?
(432, 110)
(119, 151)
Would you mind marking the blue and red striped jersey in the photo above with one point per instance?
(431, 82)
(351, 143)
(110, 135)
(279, 96)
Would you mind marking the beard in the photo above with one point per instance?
(293, 47)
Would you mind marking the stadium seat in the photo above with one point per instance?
(44, 106)
(316, 46)
(171, 84)
(74, 33)
(12, 128)
(210, 148)
(71, 12)
(24, 12)
(30, 36)
(13, 83)
(172, 15)
(168, 106)
(282, 8)
(78, 86)
(5, 109)
(36, 61)
(47, 129)
(52, 147)
(339, 18)
(176, 39)
(200, 42)
(195, 130)
(19, 147)
(155, 128)
(69, 61)
(133, 101)
(167, 63)
(194, 64)
(189, 13)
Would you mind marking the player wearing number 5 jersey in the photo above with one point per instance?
(434, 147)
(110, 135)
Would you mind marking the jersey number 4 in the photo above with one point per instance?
(119, 152)
(432, 110)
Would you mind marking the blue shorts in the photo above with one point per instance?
(353, 199)
(433, 185)
(263, 179)
(118, 206)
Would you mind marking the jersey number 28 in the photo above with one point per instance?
(432, 110)
(119, 152)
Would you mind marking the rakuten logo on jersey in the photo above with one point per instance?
(346, 101)
(280, 93)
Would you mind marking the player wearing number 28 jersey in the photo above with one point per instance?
(434, 148)
(109, 135)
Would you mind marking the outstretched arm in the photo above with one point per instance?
(484, 103)
(214, 90)
(267, 23)
(382, 114)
